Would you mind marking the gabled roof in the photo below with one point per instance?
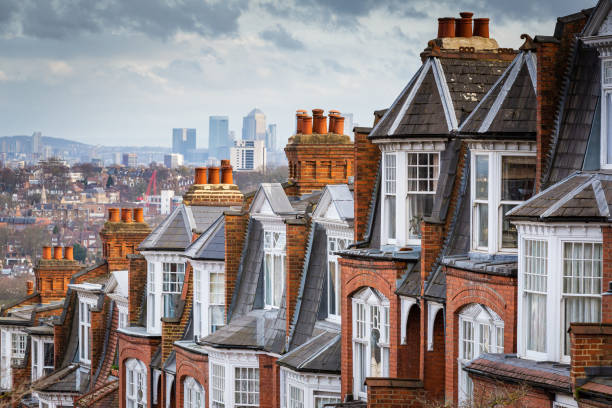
(438, 97)
(597, 17)
(321, 354)
(336, 203)
(584, 196)
(68, 379)
(271, 199)
(509, 107)
(211, 244)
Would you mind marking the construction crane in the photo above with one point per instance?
(152, 183)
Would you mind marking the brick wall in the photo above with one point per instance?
(297, 237)
(432, 239)
(487, 390)
(463, 288)
(235, 235)
(591, 348)
(380, 275)
(269, 381)
(435, 360)
(395, 393)
(137, 278)
(411, 361)
(120, 239)
(367, 161)
(141, 348)
(194, 365)
(173, 329)
(53, 277)
(97, 333)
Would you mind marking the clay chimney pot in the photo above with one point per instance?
(446, 27)
(227, 176)
(46, 253)
(463, 25)
(481, 27)
(213, 175)
(113, 215)
(317, 112)
(320, 122)
(57, 252)
(200, 175)
(307, 125)
(339, 125)
(126, 215)
(29, 287)
(139, 215)
(69, 253)
(300, 113)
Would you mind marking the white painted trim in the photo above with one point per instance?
(410, 97)
(406, 304)
(447, 101)
(311, 384)
(432, 311)
(532, 66)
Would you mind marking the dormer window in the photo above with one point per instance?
(500, 181)
(333, 274)
(423, 170)
(173, 278)
(274, 267)
(606, 115)
(84, 332)
(389, 201)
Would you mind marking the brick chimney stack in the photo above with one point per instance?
(218, 190)
(53, 272)
(121, 236)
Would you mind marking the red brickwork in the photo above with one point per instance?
(591, 347)
(111, 350)
(190, 364)
(269, 382)
(120, 239)
(367, 161)
(432, 239)
(463, 288)
(98, 332)
(137, 278)
(53, 277)
(380, 275)
(297, 237)
(173, 329)
(235, 235)
(395, 393)
(435, 362)
(411, 367)
(141, 348)
(486, 389)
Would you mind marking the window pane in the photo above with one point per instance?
(332, 287)
(518, 177)
(580, 310)
(419, 206)
(535, 320)
(278, 279)
(609, 128)
(390, 201)
(268, 278)
(483, 225)
(509, 233)
(482, 177)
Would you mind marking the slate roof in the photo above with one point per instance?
(449, 159)
(341, 198)
(275, 194)
(176, 231)
(65, 380)
(321, 354)
(509, 107)
(438, 97)
(546, 375)
(583, 195)
(248, 331)
(210, 245)
(577, 124)
(411, 285)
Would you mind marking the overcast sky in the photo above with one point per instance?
(125, 72)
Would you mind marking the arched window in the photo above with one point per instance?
(481, 330)
(136, 384)
(370, 338)
(193, 395)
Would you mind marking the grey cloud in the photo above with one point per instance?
(336, 66)
(156, 18)
(280, 37)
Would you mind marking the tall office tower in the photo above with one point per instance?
(248, 155)
(36, 142)
(348, 124)
(271, 137)
(218, 137)
(254, 126)
(184, 142)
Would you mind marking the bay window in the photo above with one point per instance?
(172, 286)
(217, 395)
(84, 332)
(18, 346)
(370, 338)
(42, 357)
(246, 383)
(193, 394)
(13, 352)
(423, 169)
(481, 330)
(274, 267)
(500, 181)
(153, 300)
(535, 287)
(296, 397)
(234, 380)
(216, 309)
(334, 244)
(208, 298)
(198, 303)
(136, 392)
(389, 196)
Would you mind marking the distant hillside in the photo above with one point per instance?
(54, 142)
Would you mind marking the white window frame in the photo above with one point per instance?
(556, 235)
(204, 300)
(370, 310)
(217, 386)
(85, 330)
(154, 306)
(295, 395)
(135, 379)
(494, 200)
(10, 354)
(389, 187)
(483, 323)
(122, 311)
(38, 356)
(230, 362)
(193, 394)
(606, 92)
(335, 243)
(172, 283)
(323, 388)
(433, 164)
(275, 246)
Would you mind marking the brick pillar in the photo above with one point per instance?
(269, 382)
(432, 239)
(235, 235)
(367, 161)
(591, 347)
(137, 278)
(395, 392)
(97, 331)
(297, 237)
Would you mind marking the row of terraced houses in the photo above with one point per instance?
(459, 248)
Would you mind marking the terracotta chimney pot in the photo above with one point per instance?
(307, 125)
(227, 176)
(200, 175)
(463, 26)
(126, 215)
(29, 287)
(320, 122)
(300, 113)
(57, 252)
(139, 214)
(213, 175)
(481, 27)
(339, 125)
(446, 27)
(113, 215)
(69, 253)
(46, 253)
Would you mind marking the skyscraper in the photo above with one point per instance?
(36, 142)
(184, 142)
(271, 137)
(218, 137)
(254, 125)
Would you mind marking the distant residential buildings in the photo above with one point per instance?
(173, 160)
(129, 159)
(219, 141)
(254, 126)
(184, 142)
(248, 155)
